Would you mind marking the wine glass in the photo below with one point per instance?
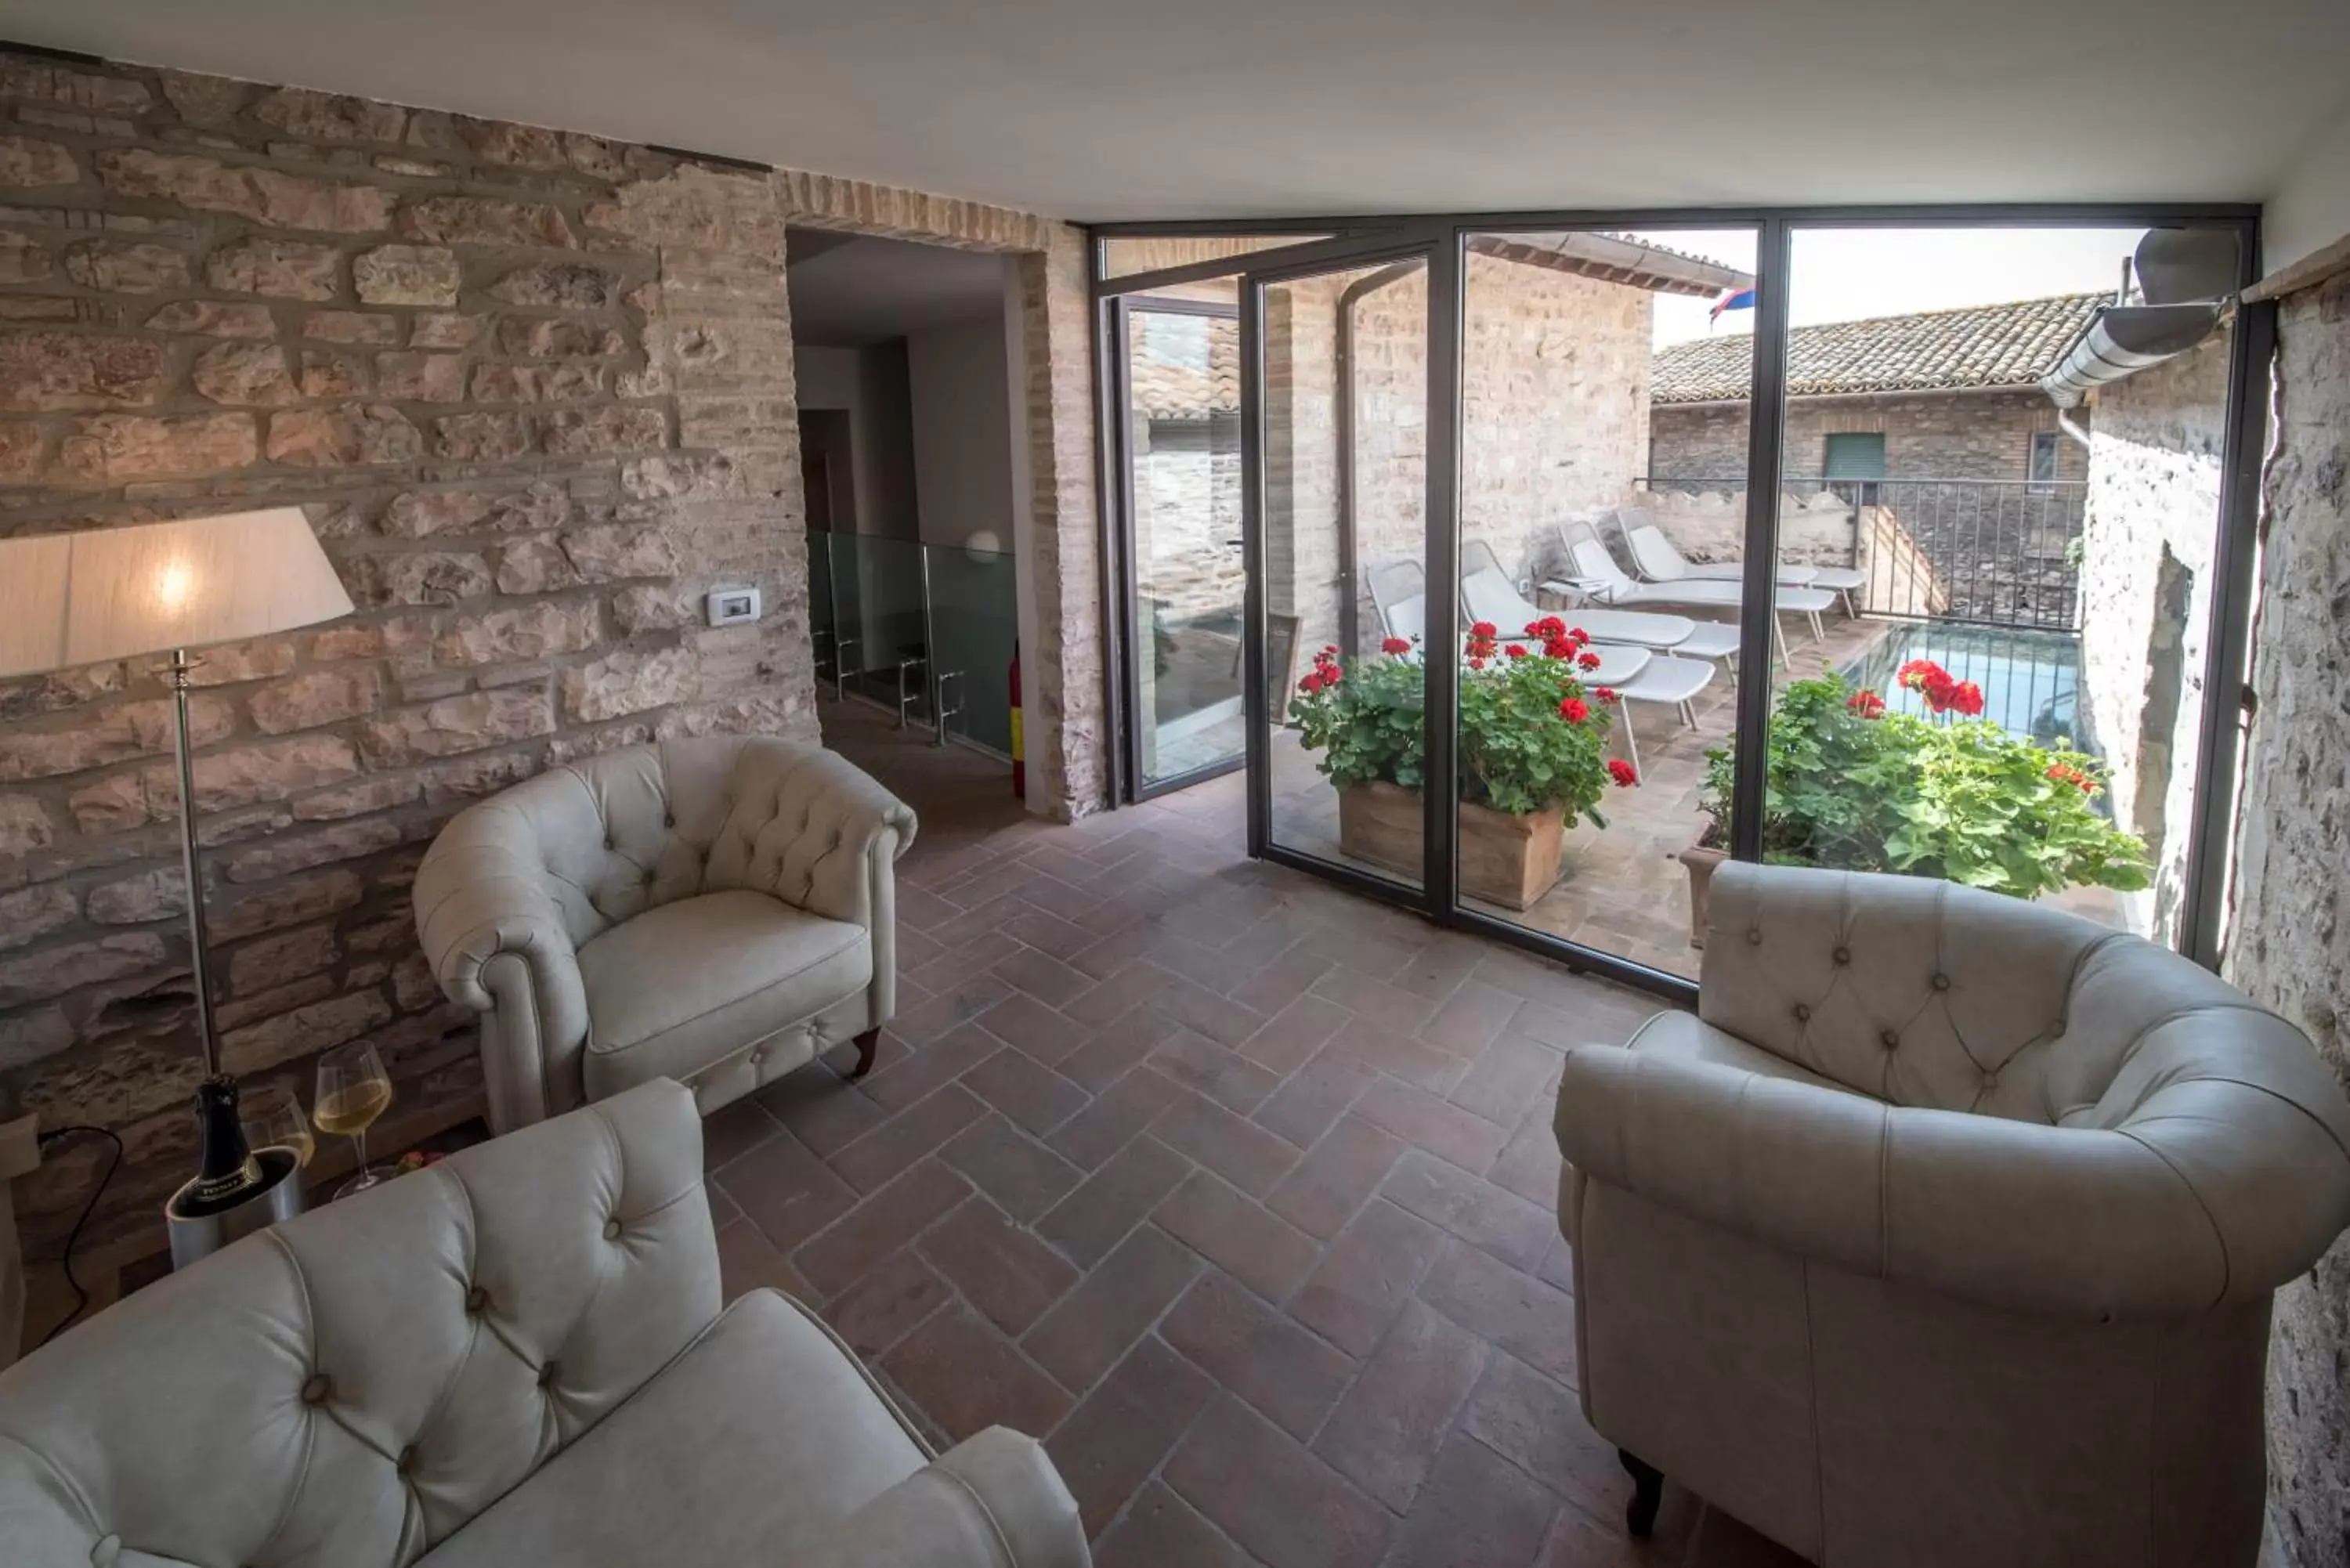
(353, 1090)
(274, 1119)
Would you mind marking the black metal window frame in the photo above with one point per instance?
(1441, 238)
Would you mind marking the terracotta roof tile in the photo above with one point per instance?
(1980, 346)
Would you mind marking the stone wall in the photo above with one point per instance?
(2290, 944)
(1970, 435)
(534, 390)
(2152, 517)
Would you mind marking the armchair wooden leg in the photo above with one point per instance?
(1648, 1491)
(867, 1044)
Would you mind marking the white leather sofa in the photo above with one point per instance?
(515, 1357)
(1944, 1233)
(715, 910)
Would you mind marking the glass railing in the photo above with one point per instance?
(926, 631)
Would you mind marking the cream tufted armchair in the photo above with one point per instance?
(716, 911)
(515, 1357)
(1944, 1233)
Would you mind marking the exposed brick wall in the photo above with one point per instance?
(2290, 945)
(1970, 435)
(534, 390)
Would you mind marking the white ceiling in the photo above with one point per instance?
(848, 292)
(1117, 109)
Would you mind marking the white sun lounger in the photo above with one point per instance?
(1593, 571)
(1676, 634)
(1659, 560)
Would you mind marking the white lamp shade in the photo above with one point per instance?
(67, 599)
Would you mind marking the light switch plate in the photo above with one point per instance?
(733, 607)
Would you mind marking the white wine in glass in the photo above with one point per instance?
(274, 1119)
(353, 1091)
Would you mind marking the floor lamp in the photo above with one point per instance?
(72, 600)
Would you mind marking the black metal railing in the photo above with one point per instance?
(1984, 552)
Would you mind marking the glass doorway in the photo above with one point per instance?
(1179, 473)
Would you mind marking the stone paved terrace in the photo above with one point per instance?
(1237, 1190)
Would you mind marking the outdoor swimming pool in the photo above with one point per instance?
(2030, 680)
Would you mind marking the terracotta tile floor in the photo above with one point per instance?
(1236, 1190)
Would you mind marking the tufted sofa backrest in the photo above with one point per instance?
(616, 835)
(346, 1390)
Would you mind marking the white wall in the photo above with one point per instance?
(2309, 208)
(872, 385)
(962, 422)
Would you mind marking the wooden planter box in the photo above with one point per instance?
(1504, 859)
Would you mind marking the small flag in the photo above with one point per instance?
(1737, 299)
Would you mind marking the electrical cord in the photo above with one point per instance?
(81, 1296)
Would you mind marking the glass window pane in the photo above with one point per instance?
(1584, 741)
(2008, 695)
(1345, 497)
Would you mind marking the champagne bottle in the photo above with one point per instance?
(229, 1173)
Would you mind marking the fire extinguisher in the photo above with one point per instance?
(1019, 745)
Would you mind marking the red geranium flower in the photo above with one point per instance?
(1580, 636)
(1573, 710)
(1587, 661)
(1515, 651)
(1606, 694)
(1622, 773)
(1330, 673)
(1558, 648)
(1968, 699)
(1867, 705)
(1396, 645)
(1476, 663)
(1311, 684)
(1484, 629)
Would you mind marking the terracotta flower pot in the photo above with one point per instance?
(1700, 862)
(1507, 859)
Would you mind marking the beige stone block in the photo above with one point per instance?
(26, 161)
(628, 682)
(406, 274)
(245, 373)
(534, 566)
(357, 798)
(329, 116)
(95, 738)
(287, 269)
(31, 913)
(443, 329)
(614, 551)
(556, 286)
(212, 319)
(420, 377)
(423, 514)
(285, 856)
(320, 697)
(60, 689)
(24, 259)
(294, 901)
(28, 1038)
(573, 744)
(20, 452)
(671, 477)
(417, 578)
(516, 146)
(305, 1031)
(609, 429)
(52, 971)
(508, 636)
(350, 326)
(348, 434)
(262, 195)
(484, 221)
(23, 77)
(25, 826)
(205, 100)
(472, 723)
(252, 1007)
(646, 608)
(481, 437)
(327, 374)
(271, 962)
(569, 380)
(42, 371)
(115, 449)
(157, 894)
(556, 337)
(476, 778)
(126, 267)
